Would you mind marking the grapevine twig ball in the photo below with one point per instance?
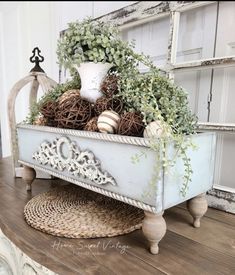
(105, 103)
(131, 124)
(73, 112)
(115, 104)
(67, 94)
(109, 86)
(101, 105)
(108, 122)
(48, 109)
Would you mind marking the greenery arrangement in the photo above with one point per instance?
(158, 99)
(152, 94)
(93, 41)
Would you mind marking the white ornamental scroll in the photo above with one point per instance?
(78, 163)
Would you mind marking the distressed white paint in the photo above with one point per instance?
(92, 75)
(147, 11)
(139, 176)
(101, 8)
(221, 204)
(215, 126)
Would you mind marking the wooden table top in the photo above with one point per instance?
(184, 250)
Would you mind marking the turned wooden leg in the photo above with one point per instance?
(29, 174)
(154, 229)
(197, 207)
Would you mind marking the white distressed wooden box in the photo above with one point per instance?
(103, 163)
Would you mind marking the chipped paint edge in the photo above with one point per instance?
(218, 127)
(149, 10)
(205, 63)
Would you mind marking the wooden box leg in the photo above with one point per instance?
(197, 207)
(154, 229)
(29, 174)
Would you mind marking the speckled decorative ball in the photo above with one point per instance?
(109, 86)
(67, 94)
(131, 124)
(108, 122)
(92, 125)
(155, 129)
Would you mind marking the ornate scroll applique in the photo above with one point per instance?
(78, 163)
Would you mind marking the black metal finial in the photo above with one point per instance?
(36, 58)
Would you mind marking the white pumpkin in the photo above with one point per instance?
(108, 122)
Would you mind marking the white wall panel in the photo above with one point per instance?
(226, 35)
(68, 11)
(24, 26)
(151, 39)
(9, 68)
(223, 97)
(197, 32)
(196, 41)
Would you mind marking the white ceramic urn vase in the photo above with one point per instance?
(92, 75)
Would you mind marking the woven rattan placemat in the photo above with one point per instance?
(74, 212)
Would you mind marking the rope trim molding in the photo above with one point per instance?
(87, 134)
(115, 196)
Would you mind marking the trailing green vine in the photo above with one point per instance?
(157, 98)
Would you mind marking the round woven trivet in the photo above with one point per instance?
(74, 212)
